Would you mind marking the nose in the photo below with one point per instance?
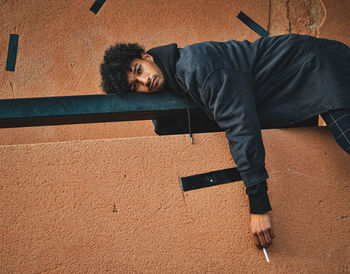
(144, 79)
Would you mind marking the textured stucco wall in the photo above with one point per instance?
(116, 204)
(61, 44)
(92, 206)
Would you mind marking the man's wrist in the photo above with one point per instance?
(259, 202)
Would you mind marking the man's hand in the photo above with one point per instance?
(260, 227)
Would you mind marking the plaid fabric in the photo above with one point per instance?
(338, 122)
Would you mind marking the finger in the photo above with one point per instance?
(262, 239)
(267, 238)
(268, 245)
(271, 233)
(257, 241)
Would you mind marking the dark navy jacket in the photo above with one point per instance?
(272, 82)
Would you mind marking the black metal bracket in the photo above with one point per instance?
(12, 52)
(252, 24)
(97, 6)
(212, 178)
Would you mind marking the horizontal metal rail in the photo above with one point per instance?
(165, 107)
(45, 111)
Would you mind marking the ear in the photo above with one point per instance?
(146, 56)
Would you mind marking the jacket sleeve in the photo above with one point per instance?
(259, 202)
(229, 95)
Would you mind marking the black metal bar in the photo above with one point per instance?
(212, 178)
(45, 111)
(168, 110)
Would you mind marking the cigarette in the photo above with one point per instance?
(267, 257)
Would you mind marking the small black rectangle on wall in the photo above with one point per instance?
(97, 6)
(12, 52)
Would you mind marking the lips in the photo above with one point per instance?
(154, 82)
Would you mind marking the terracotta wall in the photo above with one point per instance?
(61, 44)
(112, 204)
(92, 206)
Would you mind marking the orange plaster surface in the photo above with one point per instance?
(61, 46)
(116, 205)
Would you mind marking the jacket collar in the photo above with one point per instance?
(165, 57)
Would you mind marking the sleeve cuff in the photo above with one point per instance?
(254, 176)
(259, 202)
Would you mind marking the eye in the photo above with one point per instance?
(139, 70)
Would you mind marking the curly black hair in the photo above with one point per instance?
(115, 64)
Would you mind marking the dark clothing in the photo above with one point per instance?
(338, 121)
(272, 82)
(259, 202)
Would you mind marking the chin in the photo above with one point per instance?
(159, 89)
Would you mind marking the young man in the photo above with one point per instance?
(273, 82)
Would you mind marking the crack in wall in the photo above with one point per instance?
(288, 18)
(278, 17)
(13, 92)
(184, 198)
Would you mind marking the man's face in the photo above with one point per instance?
(144, 75)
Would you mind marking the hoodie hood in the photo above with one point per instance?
(165, 57)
